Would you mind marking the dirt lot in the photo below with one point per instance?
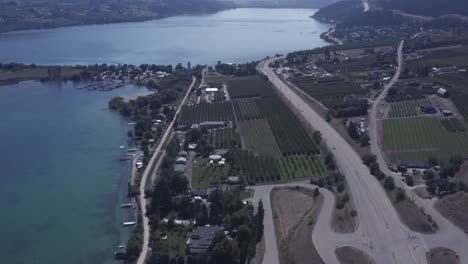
(463, 173)
(412, 216)
(350, 255)
(294, 224)
(342, 221)
(453, 207)
(442, 255)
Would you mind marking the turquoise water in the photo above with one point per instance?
(61, 179)
(238, 35)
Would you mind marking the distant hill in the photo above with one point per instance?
(281, 3)
(34, 14)
(432, 8)
(339, 11)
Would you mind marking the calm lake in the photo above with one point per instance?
(238, 35)
(61, 179)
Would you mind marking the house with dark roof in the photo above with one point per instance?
(199, 240)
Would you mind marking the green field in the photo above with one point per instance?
(417, 139)
(250, 86)
(219, 97)
(300, 167)
(291, 136)
(224, 138)
(247, 109)
(458, 90)
(204, 175)
(174, 244)
(258, 137)
(206, 112)
(328, 89)
(217, 78)
(358, 65)
(406, 108)
(442, 57)
(453, 125)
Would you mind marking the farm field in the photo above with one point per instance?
(219, 97)
(453, 125)
(291, 136)
(254, 168)
(217, 78)
(458, 90)
(417, 139)
(224, 138)
(357, 65)
(300, 167)
(327, 90)
(258, 137)
(406, 108)
(206, 112)
(442, 57)
(204, 175)
(247, 109)
(249, 86)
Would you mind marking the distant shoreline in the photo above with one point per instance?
(67, 24)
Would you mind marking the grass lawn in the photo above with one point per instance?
(175, 242)
(416, 139)
(204, 176)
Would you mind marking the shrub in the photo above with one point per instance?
(409, 180)
(401, 195)
(389, 183)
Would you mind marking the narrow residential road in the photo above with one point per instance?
(448, 235)
(380, 233)
(148, 171)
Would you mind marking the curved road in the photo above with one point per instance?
(380, 232)
(448, 235)
(148, 170)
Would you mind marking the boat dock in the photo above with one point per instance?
(102, 86)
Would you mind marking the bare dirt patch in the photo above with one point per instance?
(453, 207)
(414, 217)
(294, 224)
(350, 255)
(442, 255)
(462, 174)
(343, 221)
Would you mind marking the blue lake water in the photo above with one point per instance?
(237, 35)
(61, 181)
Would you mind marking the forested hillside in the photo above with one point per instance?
(426, 7)
(32, 14)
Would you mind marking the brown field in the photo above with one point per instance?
(258, 137)
(453, 207)
(294, 224)
(350, 255)
(442, 256)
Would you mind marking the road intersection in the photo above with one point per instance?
(380, 234)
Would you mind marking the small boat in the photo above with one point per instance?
(126, 205)
(129, 223)
(120, 252)
(121, 147)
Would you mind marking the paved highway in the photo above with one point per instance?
(148, 171)
(448, 234)
(380, 232)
